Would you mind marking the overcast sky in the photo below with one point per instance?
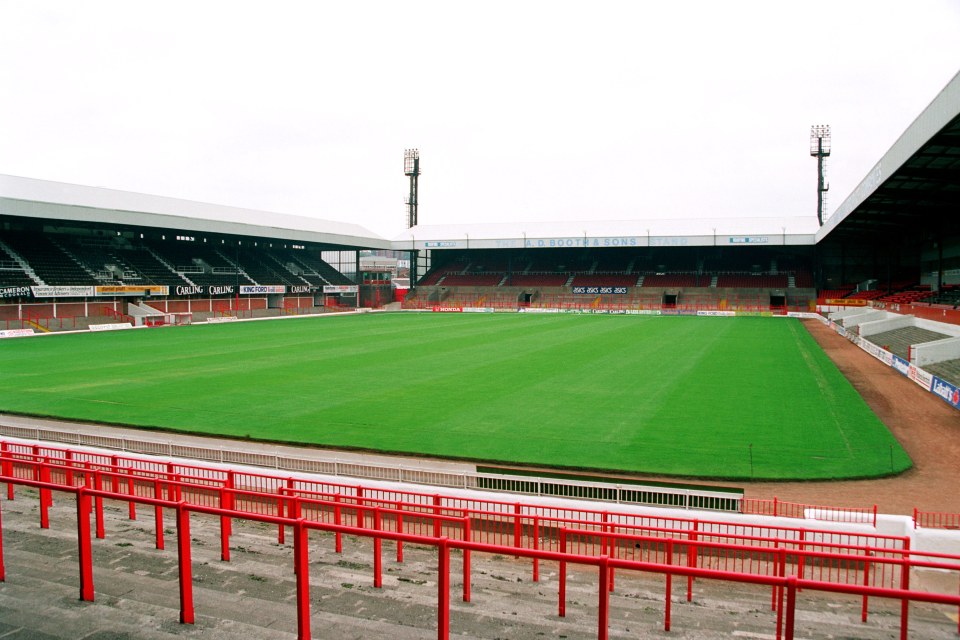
(521, 110)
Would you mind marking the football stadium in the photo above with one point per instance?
(214, 418)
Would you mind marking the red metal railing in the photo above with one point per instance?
(291, 515)
(779, 508)
(935, 520)
(519, 513)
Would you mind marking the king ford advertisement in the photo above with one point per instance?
(255, 289)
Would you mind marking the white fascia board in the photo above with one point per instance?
(938, 114)
(30, 198)
(639, 233)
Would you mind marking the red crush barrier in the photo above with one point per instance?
(785, 586)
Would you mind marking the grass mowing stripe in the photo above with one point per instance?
(710, 397)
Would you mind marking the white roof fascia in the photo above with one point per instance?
(944, 108)
(31, 198)
(624, 233)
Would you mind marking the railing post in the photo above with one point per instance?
(466, 557)
(98, 502)
(302, 571)
(171, 476)
(83, 545)
(516, 526)
(158, 513)
(6, 467)
(132, 489)
(905, 585)
(603, 614)
(377, 550)
(802, 558)
(43, 474)
(183, 559)
(281, 497)
(866, 582)
(669, 587)
(338, 538)
(791, 607)
(436, 512)
(3, 573)
(562, 578)
(224, 528)
(68, 467)
(536, 545)
(399, 516)
(778, 590)
(114, 468)
(443, 591)
(692, 556)
(778, 567)
(231, 479)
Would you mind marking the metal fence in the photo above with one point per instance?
(861, 565)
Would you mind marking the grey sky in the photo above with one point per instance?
(521, 110)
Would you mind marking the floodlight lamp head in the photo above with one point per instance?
(411, 162)
(820, 140)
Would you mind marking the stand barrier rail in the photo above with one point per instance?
(507, 522)
(621, 494)
(778, 508)
(287, 513)
(935, 520)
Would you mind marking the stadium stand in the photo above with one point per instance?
(315, 270)
(604, 280)
(751, 281)
(671, 280)
(909, 295)
(537, 279)
(266, 274)
(473, 279)
(871, 294)
(149, 266)
(51, 264)
(949, 294)
(13, 271)
(201, 264)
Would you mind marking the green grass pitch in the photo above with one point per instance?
(708, 397)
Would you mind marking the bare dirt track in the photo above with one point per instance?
(927, 427)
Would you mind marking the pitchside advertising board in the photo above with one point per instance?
(16, 333)
(100, 291)
(947, 391)
(158, 290)
(901, 365)
(247, 290)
